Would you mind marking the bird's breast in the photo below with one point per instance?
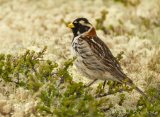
(86, 61)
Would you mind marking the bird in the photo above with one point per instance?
(93, 57)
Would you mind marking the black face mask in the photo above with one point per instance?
(79, 29)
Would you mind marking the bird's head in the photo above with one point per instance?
(80, 26)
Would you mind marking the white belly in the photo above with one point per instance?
(92, 74)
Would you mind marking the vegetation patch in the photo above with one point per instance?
(60, 96)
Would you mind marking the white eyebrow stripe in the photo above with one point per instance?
(83, 23)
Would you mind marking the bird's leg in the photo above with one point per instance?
(91, 83)
(104, 83)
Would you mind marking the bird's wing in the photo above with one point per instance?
(103, 54)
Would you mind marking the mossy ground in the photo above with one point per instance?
(30, 75)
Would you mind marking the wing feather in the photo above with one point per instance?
(103, 54)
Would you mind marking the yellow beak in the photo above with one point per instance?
(70, 25)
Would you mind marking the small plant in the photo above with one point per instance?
(64, 97)
(26, 70)
(120, 55)
(114, 87)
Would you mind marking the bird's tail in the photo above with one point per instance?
(140, 91)
(130, 82)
